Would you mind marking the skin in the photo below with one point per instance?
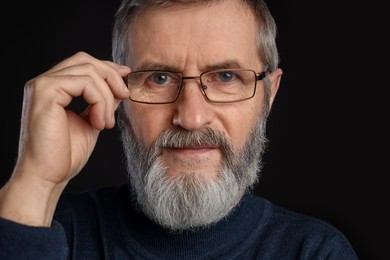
(182, 39)
(55, 143)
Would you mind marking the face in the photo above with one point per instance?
(191, 40)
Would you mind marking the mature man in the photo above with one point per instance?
(192, 111)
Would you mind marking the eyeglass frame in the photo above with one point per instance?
(258, 76)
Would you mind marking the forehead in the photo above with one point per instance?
(195, 35)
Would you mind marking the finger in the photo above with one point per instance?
(83, 57)
(106, 79)
(106, 89)
(78, 58)
(61, 90)
(109, 70)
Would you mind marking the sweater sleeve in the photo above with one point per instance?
(19, 241)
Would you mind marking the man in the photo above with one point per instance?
(197, 83)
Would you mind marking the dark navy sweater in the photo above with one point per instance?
(105, 224)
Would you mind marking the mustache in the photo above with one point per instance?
(178, 137)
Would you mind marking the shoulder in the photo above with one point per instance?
(310, 235)
(286, 218)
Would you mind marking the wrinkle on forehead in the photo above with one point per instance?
(183, 35)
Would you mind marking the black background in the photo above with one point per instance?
(328, 150)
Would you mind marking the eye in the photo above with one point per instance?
(226, 76)
(160, 78)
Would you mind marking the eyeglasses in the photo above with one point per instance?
(220, 86)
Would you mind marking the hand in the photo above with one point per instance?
(55, 142)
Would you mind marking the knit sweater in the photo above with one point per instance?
(105, 224)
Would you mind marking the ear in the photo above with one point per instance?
(274, 77)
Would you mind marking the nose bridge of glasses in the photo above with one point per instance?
(201, 85)
(193, 77)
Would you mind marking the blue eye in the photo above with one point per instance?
(160, 78)
(226, 76)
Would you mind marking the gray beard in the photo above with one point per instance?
(191, 200)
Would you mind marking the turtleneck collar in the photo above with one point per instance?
(220, 238)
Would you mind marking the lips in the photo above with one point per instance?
(191, 149)
(193, 146)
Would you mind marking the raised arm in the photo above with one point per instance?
(55, 142)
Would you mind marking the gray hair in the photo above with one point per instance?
(205, 202)
(266, 38)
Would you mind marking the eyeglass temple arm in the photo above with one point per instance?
(262, 75)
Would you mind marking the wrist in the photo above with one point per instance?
(29, 201)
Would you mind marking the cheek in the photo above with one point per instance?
(147, 123)
(240, 121)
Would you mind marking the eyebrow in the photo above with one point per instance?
(157, 66)
(227, 64)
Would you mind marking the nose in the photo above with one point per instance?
(193, 111)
